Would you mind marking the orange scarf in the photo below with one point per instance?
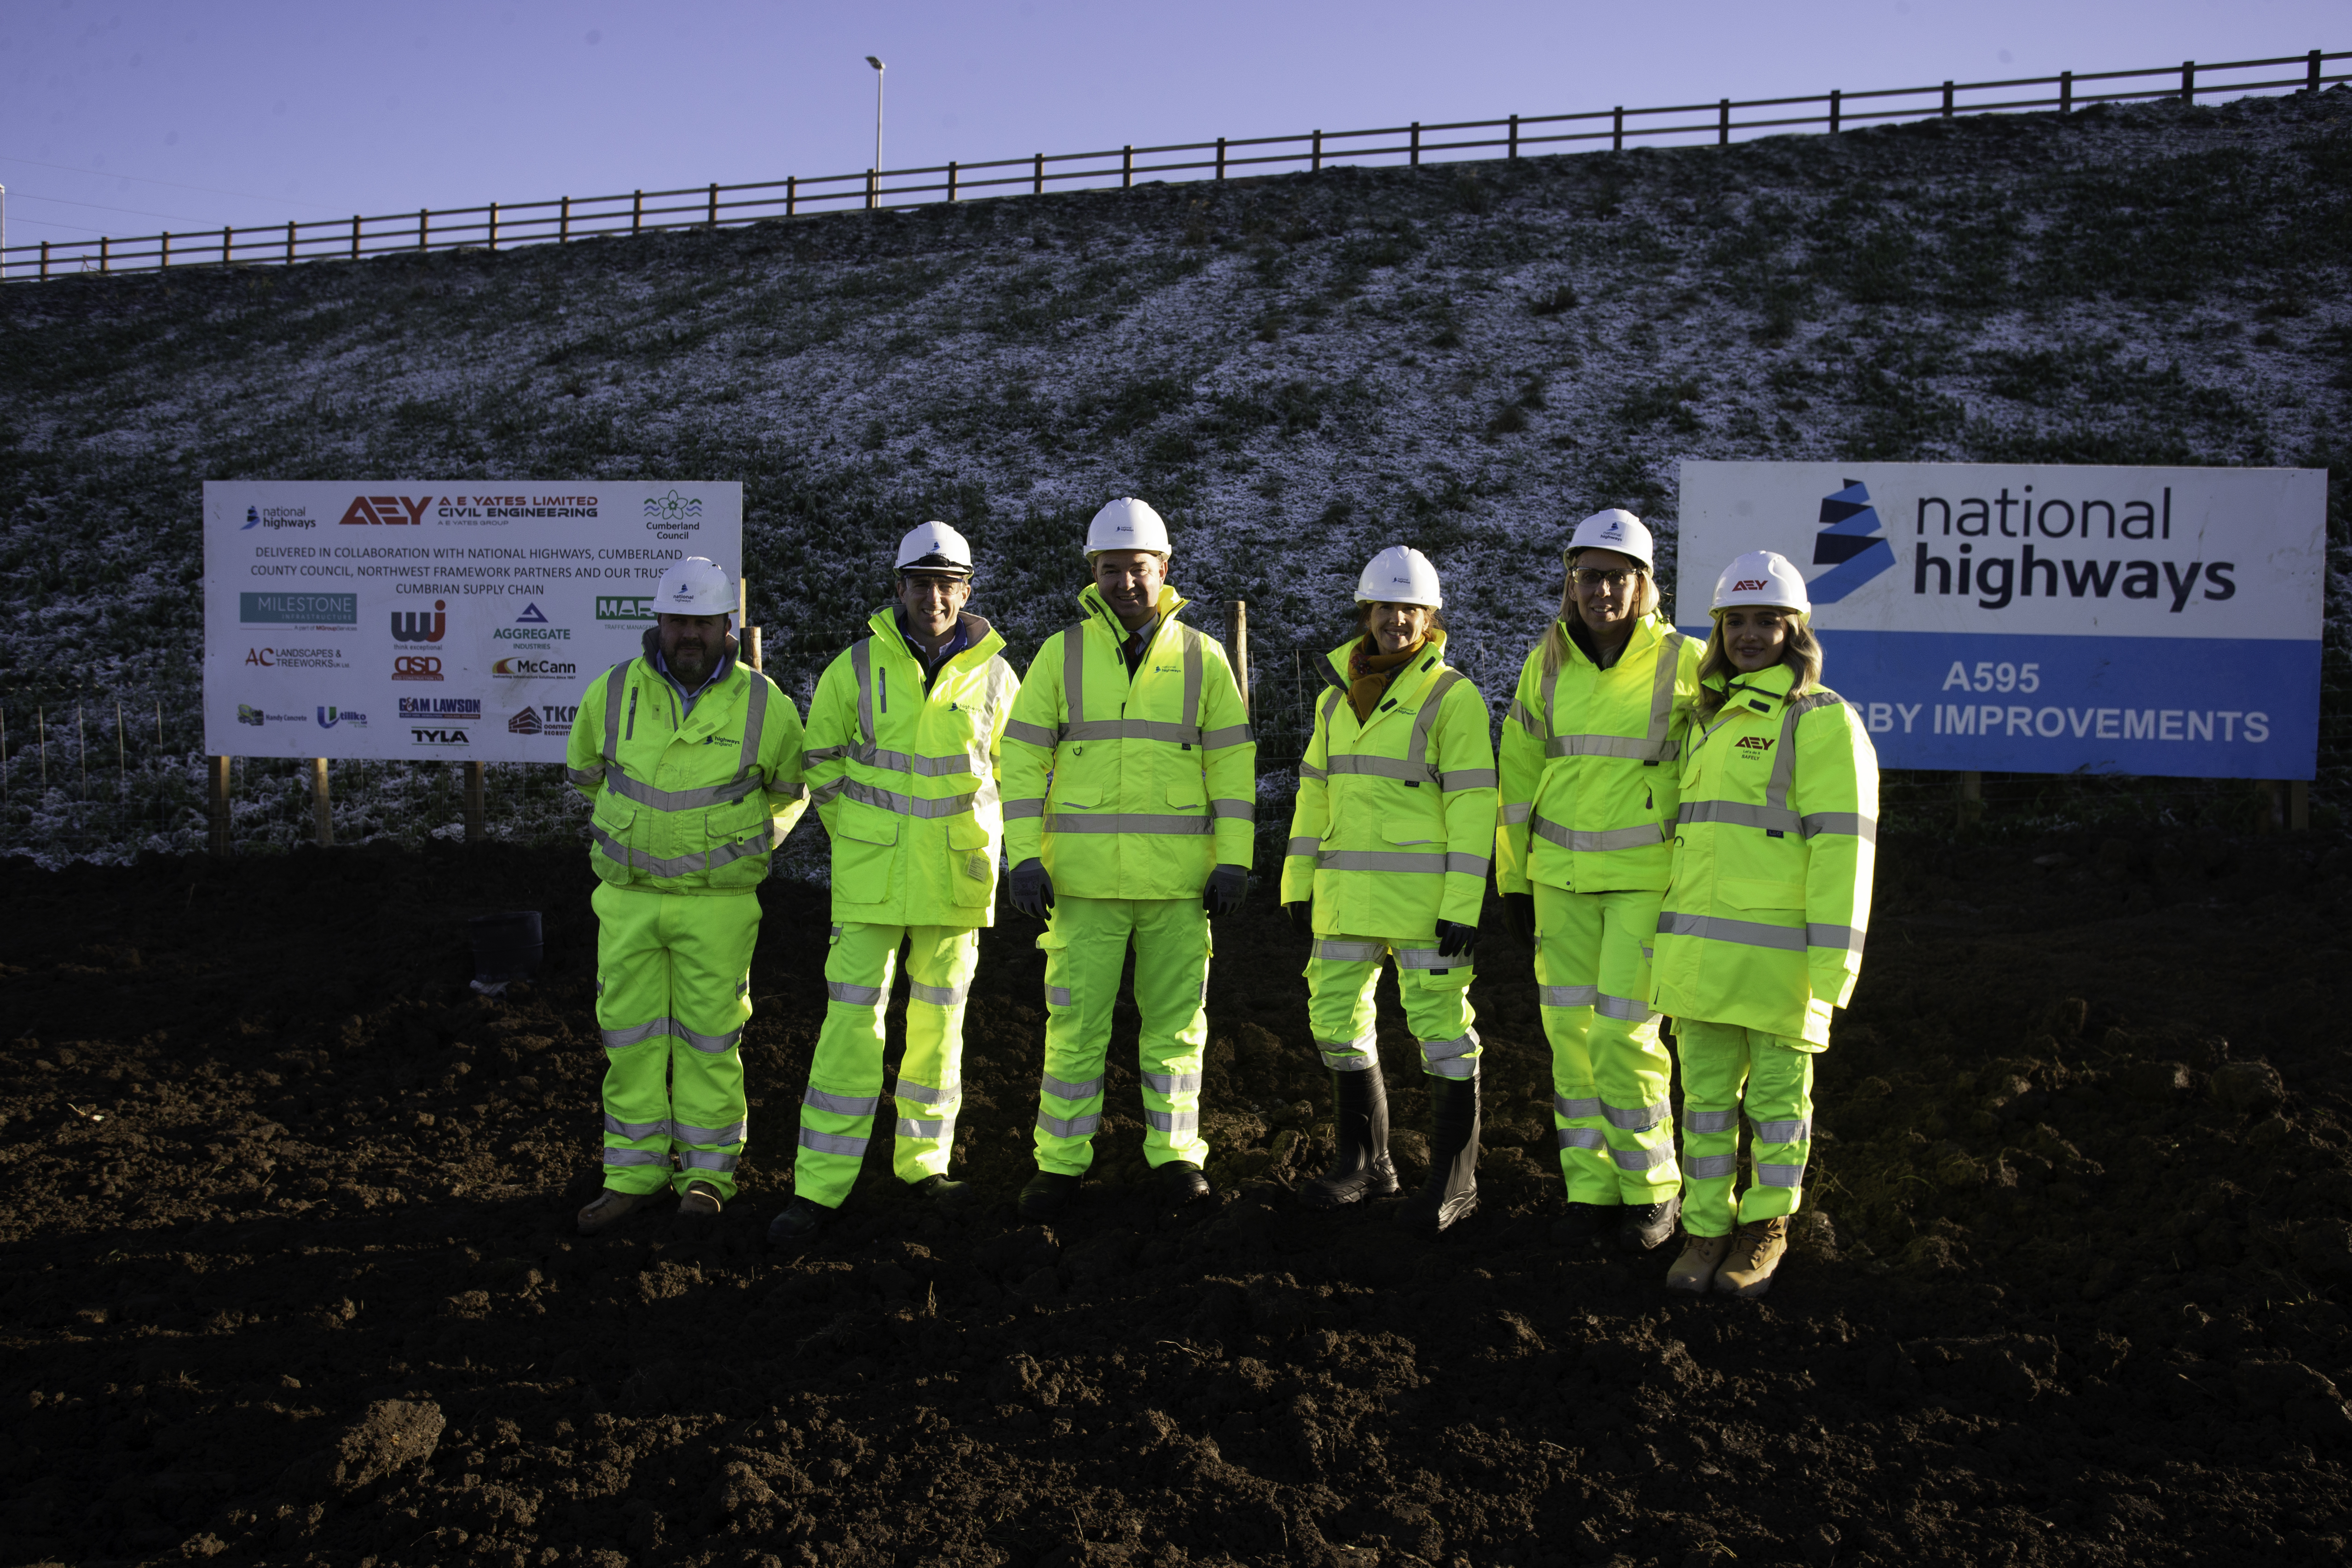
(1369, 673)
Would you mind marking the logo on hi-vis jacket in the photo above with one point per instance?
(1849, 544)
(1754, 743)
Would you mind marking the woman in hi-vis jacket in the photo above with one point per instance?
(1388, 857)
(1761, 935)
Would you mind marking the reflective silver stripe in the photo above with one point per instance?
(711, 1134)
(1710, 1167)
(1634, 1119)
(1633, 749)
(1171, 1120)
(1851, 823)
(1347, 1061)
(678, 865)
(1740, 815)
(1568, 995)
(1795, 1131)
(1518, 813)
(620, 1040)
(615, 682)
(1467, 778)
(824, 754)
(1350, 1055)
(1709, 1121)
(856, 995)
(1303, 845)
(896, 761)
(1662, 693)
(1845, 937)
(711, 1045)
(1057, 995)
(833, 1143)
(586, 778)
(615, 1125)
(1746, 933)
(940, 996)
(1525, 717)
(1454, 1068)
(910, 1128)
(1172, 1082)
(1784, 766)
(1309, 771)
(1429, 958)
(1657, 746)
(707, 1160)
(1623, 1008)
(1016, 809)
(756, 721)
(1571, 1110)
(923, 1094)
(1131, 730)
(1381, 768)
(1417, 750)
(1641, 1159)
(1231, 735)
(1071, 1127)
(840, 1104)
(636, 1156)
(733, 792)
(1033, 735)
(1064, 821)
(1246, 810)
(1335, 950)
(913, 805)
(1402, 861)
(1468, 865)
(1780, 1175)
(1590, 1137)
(861, 660)
(1462, 1045)
(789, 791)
(1601, 842)
(1062, 1088)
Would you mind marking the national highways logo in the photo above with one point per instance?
(274, 517)
(1849, 544)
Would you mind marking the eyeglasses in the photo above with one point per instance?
(1616, 579)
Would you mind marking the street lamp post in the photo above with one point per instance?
(874, 186)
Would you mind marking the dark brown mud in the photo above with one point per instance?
(290, 1272)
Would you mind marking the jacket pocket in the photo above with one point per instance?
(1077, 796)
(865, 840)
(866, 824)
(1187, 794)
(971, 862)
(1756, 893)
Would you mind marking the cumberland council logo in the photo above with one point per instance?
(673, 507)
(1849, 544)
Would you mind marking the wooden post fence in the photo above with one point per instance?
(322, 814)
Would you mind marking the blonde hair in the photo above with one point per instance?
(1803, 653)
(1555, 643)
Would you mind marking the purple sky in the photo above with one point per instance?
(126, 117)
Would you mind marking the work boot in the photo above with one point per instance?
(800, 1224)
(1583, 1224)
(1646, 1226)
(1756, 1249)
(1694, 1271)
(612, 1207)
(950, 1196)
(1183, 1183)
(1361, 1169)
(1450, 1195)
(702, 1202)
(1046, 1195)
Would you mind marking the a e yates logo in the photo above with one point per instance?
(1849, 544)
(416, 666)
(1754, 743)
(520, 669)
(298, 609)
(397, 511)
(1749, 585)
(331, 717)
(624, 607)
(418, 626)
(442, 710)
(274, 517)
(438, 738)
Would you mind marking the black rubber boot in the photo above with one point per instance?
(1046, 1195)
(1451, 1193)
(1361, 1168)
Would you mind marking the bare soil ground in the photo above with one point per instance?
(290, 1272)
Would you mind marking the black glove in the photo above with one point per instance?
(1520, 917)
(1033, 890)
(1228, 885)
(1455, 939)
(1302, 918)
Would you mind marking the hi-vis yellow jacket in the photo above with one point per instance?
(1589, 781)
(685, 804)
(906, 781)
(1764, 923)
(1129, 788)
(1395, 814)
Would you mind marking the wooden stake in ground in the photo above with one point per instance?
(1971, 799)
(478, 812)
(217, 791)
(321, 809)
(1237, 648)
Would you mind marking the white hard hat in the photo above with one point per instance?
(935, 547)
(1400, 575)
(1762, 577)
(1616, 529)
(697, 585)
(1126, 524)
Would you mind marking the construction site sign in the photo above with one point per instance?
(2044, 618)
(434, 618)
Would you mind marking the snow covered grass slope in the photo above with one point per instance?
(1297, 370)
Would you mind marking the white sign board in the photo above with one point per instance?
(2039, 618)
(434, 618)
